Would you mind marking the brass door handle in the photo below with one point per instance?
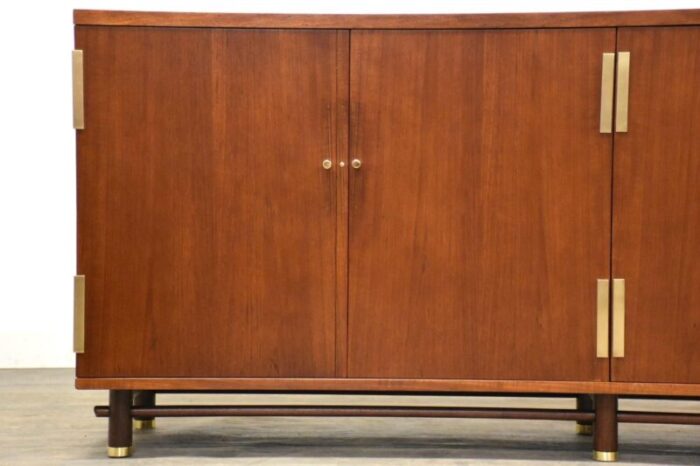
(618, 318)
(603, 319)
(606, 93)
(327, 164)
(356, 163)
(79, 314)
(78, 91)
(622, 94)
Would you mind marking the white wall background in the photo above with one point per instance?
(37, 147)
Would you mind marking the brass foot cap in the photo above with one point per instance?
(606, 456)
(584, 429)
(144, 424)
(118, 452)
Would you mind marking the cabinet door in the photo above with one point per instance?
(656, 232)
(206, 223)
(480, 217)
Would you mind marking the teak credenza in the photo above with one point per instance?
(443, 204)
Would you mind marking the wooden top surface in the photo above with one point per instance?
(391, 21)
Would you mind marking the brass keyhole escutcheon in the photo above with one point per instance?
(356, 163)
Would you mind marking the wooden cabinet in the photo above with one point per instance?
(389, 204)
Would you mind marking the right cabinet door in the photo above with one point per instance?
(656, 207)
(479, 218)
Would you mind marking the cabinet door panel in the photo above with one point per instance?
(480, 218)
(206, 222)
(656, 232)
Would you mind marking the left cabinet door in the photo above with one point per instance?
(206, 221)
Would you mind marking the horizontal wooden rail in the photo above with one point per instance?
(454, 387)
(366, 392)
(401, 411)
(418, 393)
(389, 21)
(642, 417)
(355, 411)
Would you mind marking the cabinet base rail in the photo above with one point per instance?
(640, 417)
(597, 415)
(354, 411)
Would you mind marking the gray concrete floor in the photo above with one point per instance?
(44, 420)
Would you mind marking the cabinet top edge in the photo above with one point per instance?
(389, 21)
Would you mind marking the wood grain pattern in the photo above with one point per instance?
(452, 21)
(656, 208)
(206, 224)
(391, 385)
(480, 219)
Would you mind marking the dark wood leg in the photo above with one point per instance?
(605, 431)
(119, 439)
(584, 403)
(144, 399)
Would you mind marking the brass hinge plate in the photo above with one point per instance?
(78, 91)
(79, 314)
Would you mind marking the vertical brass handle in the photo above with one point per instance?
(356, 163)
(618, 320)
(78, 91)
(607, 82)
(79, 314)
(603, 317)
(622, 94)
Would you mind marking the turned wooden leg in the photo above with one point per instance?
(584, 403)
(605, 431)
(144, 399)
(119, 438)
